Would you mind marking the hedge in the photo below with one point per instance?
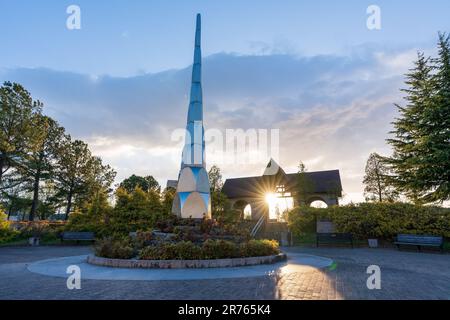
(379, 220)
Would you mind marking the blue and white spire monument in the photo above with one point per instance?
(193, 199)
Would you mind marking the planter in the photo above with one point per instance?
(373, 243)
(182, 264)
(33, 241)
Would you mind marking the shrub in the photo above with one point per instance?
(219, 249)
(114, 248)
(80, 222)
(44, 230)
(6, 233)
(259, 248)
(379, 220)
(211, 249)
(183, 250)
(143, 238)
(302, 220)
(188, 251)
(164, 251)
(133, 211)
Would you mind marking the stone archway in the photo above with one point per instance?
(317, 202)
(245, 209)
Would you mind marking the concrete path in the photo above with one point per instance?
(297, 262)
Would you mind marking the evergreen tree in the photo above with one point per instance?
(17, 131)
(218, 198)
(420, 160)
(435, 172)
(409, 134)
(37, 164)
(377, 187)
(79, 176)
(167, 200)
(147, 184)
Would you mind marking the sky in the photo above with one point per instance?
(311, 69)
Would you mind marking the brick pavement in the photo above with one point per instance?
(404, 275)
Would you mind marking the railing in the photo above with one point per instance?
(258, 225)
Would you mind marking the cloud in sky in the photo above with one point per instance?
(332, 111)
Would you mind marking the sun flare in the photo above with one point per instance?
(278, 205)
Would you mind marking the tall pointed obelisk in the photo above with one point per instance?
(193, 199)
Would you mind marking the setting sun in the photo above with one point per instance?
(278, 205)
(271, 199)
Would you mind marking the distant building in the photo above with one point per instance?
(276, 191)
(172, 184)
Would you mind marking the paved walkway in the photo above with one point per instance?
(404, 275)
(297, 262)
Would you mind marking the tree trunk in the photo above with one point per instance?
(35, 203)
(2, 164)
(69, 205)
(380, 194)
(10, 210)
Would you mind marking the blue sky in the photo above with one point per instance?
(123, 38)
(309, 68)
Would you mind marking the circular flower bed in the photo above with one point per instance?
(184, 254)
(182, 264)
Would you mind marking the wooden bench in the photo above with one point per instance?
(331, 238)
(419, 241)
(77, 236)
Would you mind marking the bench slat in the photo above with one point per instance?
(419, 241)
(329, 238)
(88, 236)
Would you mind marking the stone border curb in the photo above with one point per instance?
(182, 264)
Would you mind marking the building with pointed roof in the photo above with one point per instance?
(261, 195)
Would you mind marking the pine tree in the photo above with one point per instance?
(435, 173)
(36, 166)
(421, 157)
(17, 132)
(409, 132)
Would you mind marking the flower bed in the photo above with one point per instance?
(181, 264)
(184, 254)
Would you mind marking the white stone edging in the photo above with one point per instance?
(181, 264)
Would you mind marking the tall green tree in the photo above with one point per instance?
(167, 199)
(421, 148)
(377, 187)
(17, 130)
(71, 172)
(435, 173)
(147, 183)
(99, 177)
(37, 164)
(218, 198)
